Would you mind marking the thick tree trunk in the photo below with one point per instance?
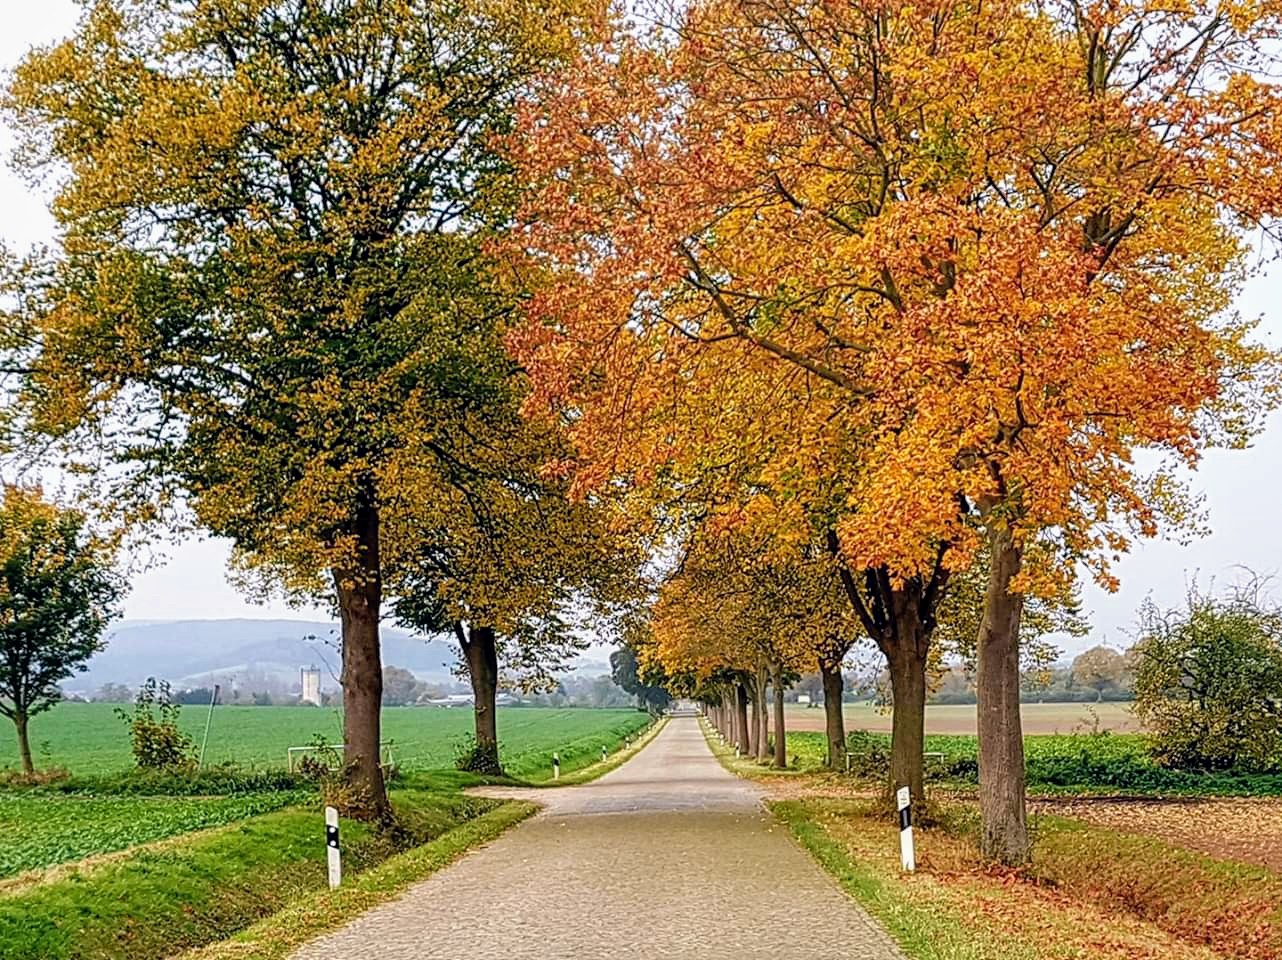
(834, 722)
(1004, 834)
(359, 592)
(24, 742)
(763, 715)
(908, 723)
(754, 723)
(741, 716)
(781, 742)
(480, 651)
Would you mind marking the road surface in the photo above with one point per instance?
(666, 856)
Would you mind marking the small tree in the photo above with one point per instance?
(157, 741)
(1100, 669)
(1209, 681)
(400, 687)
(57, 594)
(626, 674)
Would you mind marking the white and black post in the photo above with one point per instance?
(907, 854)
(556, 766)
(603, 754)
(331, 848)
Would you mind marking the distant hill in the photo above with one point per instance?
(189, 652)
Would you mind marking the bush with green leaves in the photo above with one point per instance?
(1208, 681)
(156, 739)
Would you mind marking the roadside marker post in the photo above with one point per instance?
(603, 754)
(331, 848)
(556, 766)
(907, 854)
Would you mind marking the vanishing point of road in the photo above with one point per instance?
(667, 856)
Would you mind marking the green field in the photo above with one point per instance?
(39, 829)
(87, 738)
(1083, 763)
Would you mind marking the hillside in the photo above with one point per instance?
(191, 651)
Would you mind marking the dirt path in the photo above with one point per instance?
(667, 856)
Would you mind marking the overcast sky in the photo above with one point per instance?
(1243, 489)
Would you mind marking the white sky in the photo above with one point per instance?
(1243, 489)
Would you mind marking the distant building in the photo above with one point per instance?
(311, 685)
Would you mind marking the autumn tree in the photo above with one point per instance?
(58, 592)
(502, 558)
(755, 608)
(1100, 669)
(993, 249)
(268, 277)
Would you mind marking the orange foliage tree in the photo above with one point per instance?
(966, 259)
(746, 598)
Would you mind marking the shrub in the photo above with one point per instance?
(869, 754)
(470, 757)
(1209, 682)
(156, 740)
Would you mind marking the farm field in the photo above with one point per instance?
(87, 738)
(39, 830)
(1100, 764)
(1039, 718)
(132, 858)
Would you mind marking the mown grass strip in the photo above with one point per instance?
(316, 914)
(612, 761)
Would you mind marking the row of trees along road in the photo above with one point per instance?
(917, 282)
(901, 288)
(270, 313)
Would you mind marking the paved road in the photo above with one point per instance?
(667, 856)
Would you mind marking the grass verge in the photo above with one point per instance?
(318, 913)
(613, 760)
(1090, 893)
(170, 897)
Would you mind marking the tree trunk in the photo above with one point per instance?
(741, 716)
(834, 722)
(763, 715)
(1004, 835)
(754, 724)
(359, 599)
(24, 742)
(481, 655)
(908, 723)
(781, 743)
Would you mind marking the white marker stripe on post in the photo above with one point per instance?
(331, 848)
(907, 855)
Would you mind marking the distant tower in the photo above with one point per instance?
(311, 685)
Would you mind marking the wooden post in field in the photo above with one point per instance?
(331, 848)
(209, 719)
